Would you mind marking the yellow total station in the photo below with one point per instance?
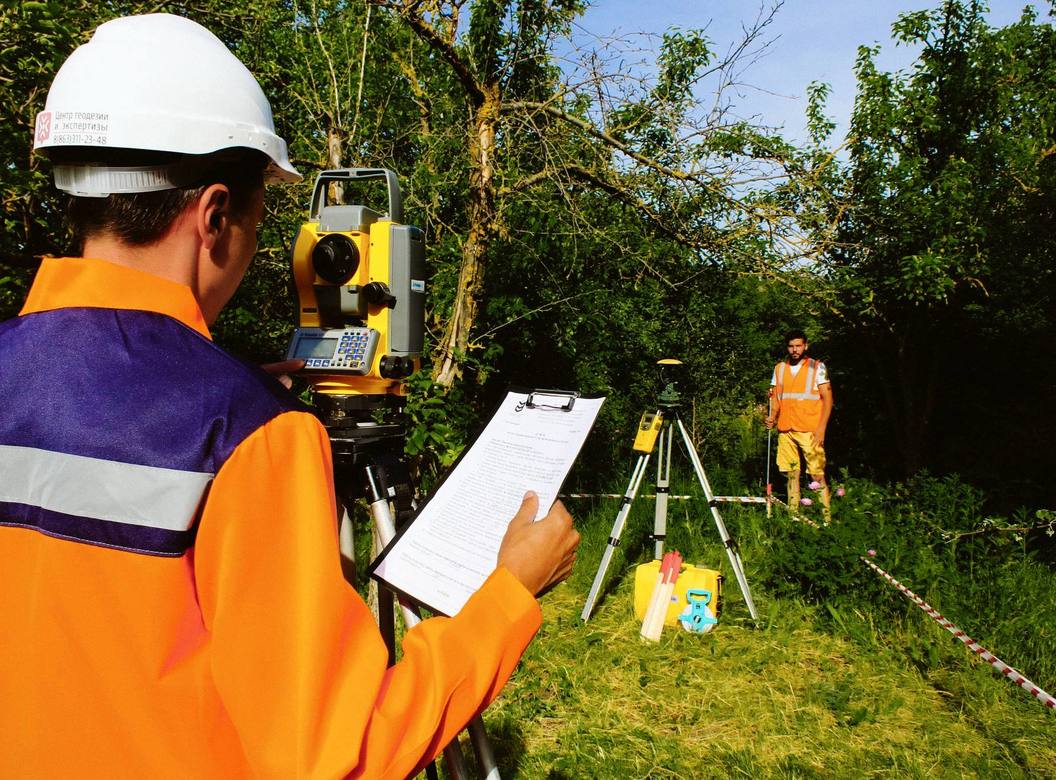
(360, 281)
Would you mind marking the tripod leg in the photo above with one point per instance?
(489, 769)
(385, 529)
(663, 481)
(614, 537)
(383, 599)
(731, 548)
(348, 546)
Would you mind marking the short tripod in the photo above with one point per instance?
(369, 465)
(660, 426)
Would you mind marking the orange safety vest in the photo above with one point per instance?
(173, 604)
(800, 399)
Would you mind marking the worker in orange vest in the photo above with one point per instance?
(801, 406)
(173, 600)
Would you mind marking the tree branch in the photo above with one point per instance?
(408, 11)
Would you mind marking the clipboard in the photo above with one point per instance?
(530, 442)
(563, 400)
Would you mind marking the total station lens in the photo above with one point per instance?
(335, 258)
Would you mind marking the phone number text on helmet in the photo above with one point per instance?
(81, 127)
(73, 139)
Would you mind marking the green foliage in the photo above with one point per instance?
(486, 35)
(683, 55)
(932, 535)
(36, 39)
(945, 260)
(818, 125)
(434, 424)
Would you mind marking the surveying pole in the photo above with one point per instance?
(660, 426)
(769, 437)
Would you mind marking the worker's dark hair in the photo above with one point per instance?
(794, 334)
(143, 218)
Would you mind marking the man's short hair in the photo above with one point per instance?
(794, 334)
(143, 218)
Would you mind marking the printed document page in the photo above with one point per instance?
(450, 548)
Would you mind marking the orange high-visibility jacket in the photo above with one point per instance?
(801, 404)
(172, 598)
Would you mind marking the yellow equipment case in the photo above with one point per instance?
(690, 577)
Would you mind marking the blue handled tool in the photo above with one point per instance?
(697, 617)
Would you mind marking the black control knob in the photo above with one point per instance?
(395, 367)
(378, 294)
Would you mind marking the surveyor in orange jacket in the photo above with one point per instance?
(173, 602)
(800, 408)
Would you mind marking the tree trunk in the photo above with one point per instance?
(335, 156)
(455, 344)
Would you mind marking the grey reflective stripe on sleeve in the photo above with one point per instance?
(146, 496)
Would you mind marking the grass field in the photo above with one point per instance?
(809, 692)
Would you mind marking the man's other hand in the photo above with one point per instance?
(282, 370)
(819, 437)
(539, 554)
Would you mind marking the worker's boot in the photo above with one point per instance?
(793, 490)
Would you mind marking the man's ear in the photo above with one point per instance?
(213, 214)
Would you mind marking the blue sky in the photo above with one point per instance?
(813, 40)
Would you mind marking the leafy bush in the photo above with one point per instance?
(435, 424)
(930, 534)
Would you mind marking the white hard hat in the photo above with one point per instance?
(160, 83)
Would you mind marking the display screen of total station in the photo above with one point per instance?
(315, 347)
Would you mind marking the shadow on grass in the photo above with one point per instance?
(509, 744)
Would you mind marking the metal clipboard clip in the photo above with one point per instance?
(562, 400)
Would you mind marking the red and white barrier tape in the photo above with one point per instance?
(741, 499)
(717, 499)
(1011, 674)
(620, 495)
(799, 517)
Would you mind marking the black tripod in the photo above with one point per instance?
(369, 465)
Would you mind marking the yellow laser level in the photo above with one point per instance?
(648, 430)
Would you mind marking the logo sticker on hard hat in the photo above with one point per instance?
(82, 128)
(43, 126)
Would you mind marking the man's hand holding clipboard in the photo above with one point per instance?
(514, 468)
(539, 553)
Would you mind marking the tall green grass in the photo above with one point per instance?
(932, 535)
(841, 677)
